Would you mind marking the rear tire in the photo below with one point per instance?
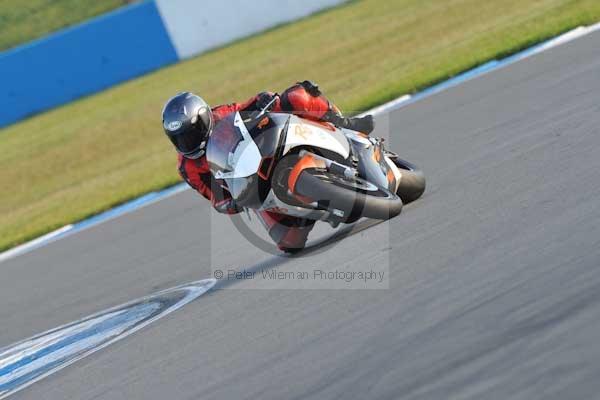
(412, 183)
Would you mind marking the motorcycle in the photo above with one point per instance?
(290, 165)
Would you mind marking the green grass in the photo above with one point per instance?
(87, 156)
(25, 20)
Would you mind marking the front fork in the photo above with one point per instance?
(372, 163)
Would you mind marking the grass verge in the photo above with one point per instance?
(22, 21)
(82, 158)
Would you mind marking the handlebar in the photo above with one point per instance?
(264, 110)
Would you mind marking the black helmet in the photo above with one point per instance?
(187, 121)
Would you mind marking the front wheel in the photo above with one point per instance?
(412, 183)
(348, 199)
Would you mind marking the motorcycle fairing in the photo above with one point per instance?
(302, 133)
(240, 160)
(241, 155)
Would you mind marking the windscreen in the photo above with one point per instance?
(222, 142)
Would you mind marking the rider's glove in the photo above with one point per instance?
(264, 98)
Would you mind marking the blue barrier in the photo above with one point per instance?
(127, 43)
(82, 60)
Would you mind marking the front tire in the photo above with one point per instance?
(412, 183)
(354, 198)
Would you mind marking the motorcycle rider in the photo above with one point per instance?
(188, 122)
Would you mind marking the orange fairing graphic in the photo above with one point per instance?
(264, 169)
(302, 131)
(263, 122)
(377, 154)
(308, 161)
(390, 176)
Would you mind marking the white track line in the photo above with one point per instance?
(35, 243)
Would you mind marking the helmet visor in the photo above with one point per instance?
(189, 141)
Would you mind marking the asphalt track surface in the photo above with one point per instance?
(494, 287)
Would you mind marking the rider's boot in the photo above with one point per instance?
(361, 124)
(289, 233)
(295, 237)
